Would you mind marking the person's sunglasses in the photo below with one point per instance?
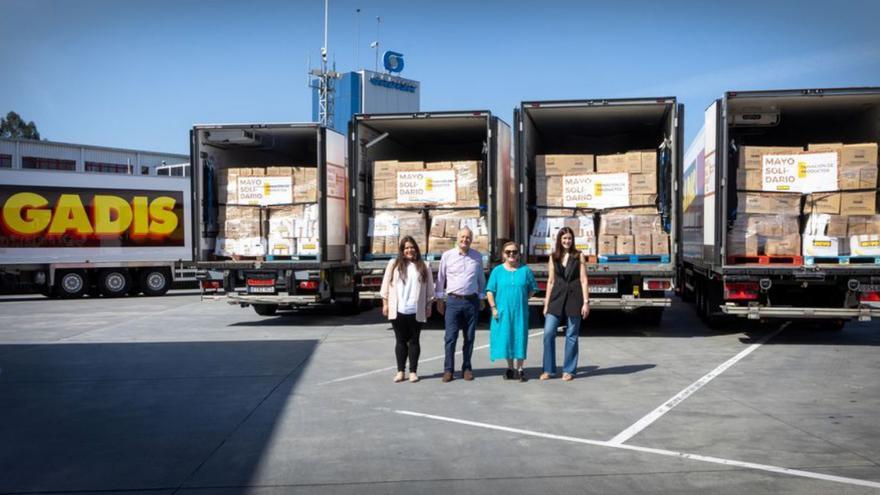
(511, 253)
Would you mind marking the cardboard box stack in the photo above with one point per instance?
(548, 223)
(549, 170)
(257, 229)
(445, 227)
(388, 227)
(766, 224)
(632, 231)
(467, 181)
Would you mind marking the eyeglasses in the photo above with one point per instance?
(511, 253)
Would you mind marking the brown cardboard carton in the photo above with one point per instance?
(438, 227)
(643, 243)
(549, 191)
(748, 179)
(438, 165)
(751, 157)
(789, 245)
(377, 246)
(385, 203)
(615, 225)
(753, 203)
(643, 199)
(385, 170)
(558, 165)
(848, 178)
(649, 162)
(822, 203)
(251, 171)
(863, 225)
(391, 245)
(467, 184)
(442, 244)
(858, 154)
(837, 226)
(868, 177)
(823, 147)
(607, 244)
(646, 223)
(480, 243)
(410, 166)
(279, 171)
(632, 161)
(452, 227)
(643, 183)
(785, 204)
(742, 243)
(659, 243)
(861, 203)
(305, 184)
(773, 225)
(608, 164)
(625, 244)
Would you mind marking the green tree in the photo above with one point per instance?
(13, 126)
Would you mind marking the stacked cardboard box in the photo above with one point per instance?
(387, 228)
(632, 231)
(550, 221)
(755, 234)
(445, 228)
(467, 181)
(549, 170)
(243, 230)
(642, 169)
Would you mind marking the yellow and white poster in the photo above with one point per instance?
(799, 172)
(426, 186)
(264, 191)
(595, 190)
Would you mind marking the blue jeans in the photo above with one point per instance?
(460, 314)
(551, 324)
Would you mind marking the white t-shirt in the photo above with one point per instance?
(408, 293)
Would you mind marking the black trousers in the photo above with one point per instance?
(406, 331)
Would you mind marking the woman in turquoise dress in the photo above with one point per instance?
(510, 286)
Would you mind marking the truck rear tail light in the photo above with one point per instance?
(657, 284)
(740, 291)
(308, 284)
(210, 284)
(600, 281)
(261, 282)
(372, 281)
(871, 296)
(542, 285)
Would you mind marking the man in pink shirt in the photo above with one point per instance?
(461, 294)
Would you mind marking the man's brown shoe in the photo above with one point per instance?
(447, 376)
(468, 375)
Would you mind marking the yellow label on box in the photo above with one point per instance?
(822, 243)
(869, 244)
(598, 189)
(802, 170)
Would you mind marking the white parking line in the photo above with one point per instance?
(687, 392)
(389, 368)
(648, 450)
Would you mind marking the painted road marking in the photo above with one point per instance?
(656, 414)
(390, 368)
(648, 450)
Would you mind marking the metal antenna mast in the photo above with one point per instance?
(324, 78)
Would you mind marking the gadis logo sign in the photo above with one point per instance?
(393, 61)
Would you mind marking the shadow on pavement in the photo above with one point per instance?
(140, 416)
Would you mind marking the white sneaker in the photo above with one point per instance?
(413, 378)
(398, 377)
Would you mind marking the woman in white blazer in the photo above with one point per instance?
(407, 293)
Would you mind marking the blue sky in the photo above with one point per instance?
(138, 74)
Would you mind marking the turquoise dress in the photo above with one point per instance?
(508, 335)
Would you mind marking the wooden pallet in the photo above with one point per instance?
(841, 260)
(765, 260)
(634, 258)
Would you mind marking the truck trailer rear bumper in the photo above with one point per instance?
(615, 304)
(280, 299)
(758, 312)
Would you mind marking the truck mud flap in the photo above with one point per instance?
(758, 312)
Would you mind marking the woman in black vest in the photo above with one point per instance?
(567, 300)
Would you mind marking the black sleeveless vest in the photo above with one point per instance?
(567, 297)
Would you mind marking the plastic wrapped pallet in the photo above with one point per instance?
(825, 235)
(445, 227)
(548, 222)
(386, 228)
(240, 232)
(305, 184)
(764, 234)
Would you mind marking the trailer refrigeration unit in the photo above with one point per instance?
(273, 214)
(779, 208)
(606, 169)
(427, 175)
(69, 234)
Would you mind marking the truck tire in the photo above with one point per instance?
(266, 309)
(114, 282)
(155, 281)
(71, 284)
